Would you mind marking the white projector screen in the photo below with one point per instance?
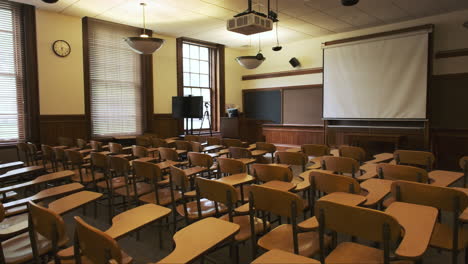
(382, 78)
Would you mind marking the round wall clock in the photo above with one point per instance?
(61, 48)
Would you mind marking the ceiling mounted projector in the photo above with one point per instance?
(50, 1)
(252, 22)
(349, 2)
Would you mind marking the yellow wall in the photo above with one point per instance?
(449, 34)
(60, 79)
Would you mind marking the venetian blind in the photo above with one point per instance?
(115, 80)
(11, 73)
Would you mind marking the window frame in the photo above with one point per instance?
(217, 79)
(146, 66)
(31, 125)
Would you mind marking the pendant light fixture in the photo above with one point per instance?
(144, 44)
(252, 62)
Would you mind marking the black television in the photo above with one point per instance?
(187, 107)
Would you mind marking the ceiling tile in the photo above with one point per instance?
(382, 9)
(327, 22)
(352, 16)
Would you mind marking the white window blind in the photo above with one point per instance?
(11, 73)
(115, 80)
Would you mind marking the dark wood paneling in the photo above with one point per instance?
(451, 53)
(54, 126)
(380, 34)
(282, 74)
(164, 125)
(449, 146)
(293, 135)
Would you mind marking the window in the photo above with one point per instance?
(201, 74)
(12, 119)
(115, 80)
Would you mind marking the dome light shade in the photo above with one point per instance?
(144, 45)
(250, 62)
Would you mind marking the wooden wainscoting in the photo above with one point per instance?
(164, 125)
(293, 135)
(449, 145)
(54, 126)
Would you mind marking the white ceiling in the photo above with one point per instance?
(206, 19)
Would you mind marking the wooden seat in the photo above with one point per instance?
(277, 256)
(292, 158)
(351, 253)
(94, 246)
(46, 234)
(445, 199)
(207, 209)
(285, 237)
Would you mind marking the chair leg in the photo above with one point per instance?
(455, 256)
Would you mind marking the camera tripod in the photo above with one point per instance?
(206, 115)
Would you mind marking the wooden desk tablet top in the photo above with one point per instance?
(382, 157)
(317, 163)
(294, 150)
(280, 185)
(21, 171)
(85, 151)
(194, 170)
(136, 218)
(258, 153)
(237, 179)
(13, 225)
(377, 190)
(73, 201)
(198, 238)
(444, 178)
(418, 221)
(247, 161)
(251, 146)
(39, 180)
(277, 256)
(10, 166)
(213, 148)
(47, 193)
(166, 164)
(337, 197)
(370, 171)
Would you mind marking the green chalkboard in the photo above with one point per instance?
(263, 105)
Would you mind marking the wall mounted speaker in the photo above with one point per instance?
(50, 1)
(294, 62)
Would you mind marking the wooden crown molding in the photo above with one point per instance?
(451, 53)
(307, 86)
(282, 74)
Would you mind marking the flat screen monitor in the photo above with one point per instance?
(187, 107)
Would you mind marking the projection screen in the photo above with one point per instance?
(383, 78)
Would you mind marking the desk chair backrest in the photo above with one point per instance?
(74, 157)
(168, 154)
(359, 222)
(143, 141)
(422, 159)
(59, 154)
(231, 166)
(179, 179)
(115, 148)
(316, 150)
(147, 170)
(464, 165)
(47, 152)
(356, 153)
(94, 244)
(330, 183)
(99, 161)
(2, 212)
(340, 165)
(271, 172)
(81, 143)
(196, 146)
(213, 141)
(96, 146)
(292, 158)
(200, 159)
(183, 145)
(119, 166)
(193, 138)
(139, 151)
(270, 148)
(230, 142)
(158, 142)
(443, 198)
(402, 172)
(240, 153)
(49, 225)
(280, 203)
(217, 192)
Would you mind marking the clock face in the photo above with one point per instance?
(61, 48)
